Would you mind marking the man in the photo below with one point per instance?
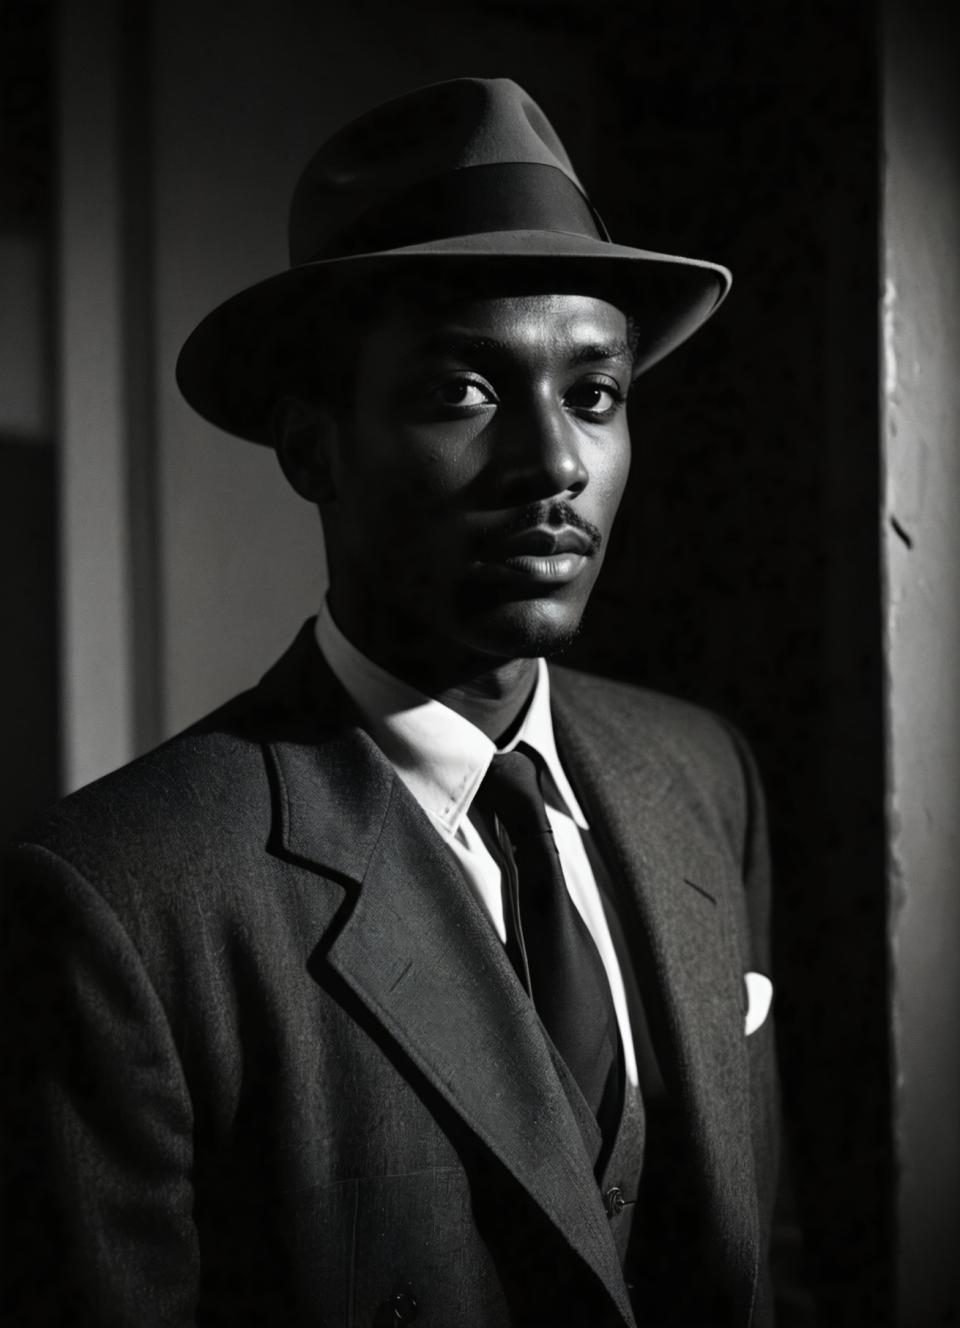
(423, 982)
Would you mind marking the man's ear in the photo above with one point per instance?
(303, 434)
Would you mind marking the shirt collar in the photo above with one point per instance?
(440, 756)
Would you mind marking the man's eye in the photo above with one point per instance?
(596, 399)
(463, 392)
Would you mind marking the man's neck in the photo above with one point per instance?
(494, 701)
(491, 694)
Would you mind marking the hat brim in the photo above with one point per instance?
(235, 363)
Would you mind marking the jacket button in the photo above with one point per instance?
(404, 1307)
(614, 1201)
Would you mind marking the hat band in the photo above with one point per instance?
(515, 196)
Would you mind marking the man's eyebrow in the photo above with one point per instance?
(452, 343)
(456, 343)
(605, 350)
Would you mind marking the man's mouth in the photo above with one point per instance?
(549, 555)
(545, 542)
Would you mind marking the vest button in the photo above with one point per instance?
(404, 1307)
(614, 1201)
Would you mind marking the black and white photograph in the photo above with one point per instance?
(480, 579)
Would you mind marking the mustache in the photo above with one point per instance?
(551, 515)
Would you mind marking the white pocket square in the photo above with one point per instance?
(759, 996)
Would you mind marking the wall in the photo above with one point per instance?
(29, 754)
(921, 442)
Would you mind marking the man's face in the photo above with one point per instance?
(477, 474)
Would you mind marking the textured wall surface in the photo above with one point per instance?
(921, 204)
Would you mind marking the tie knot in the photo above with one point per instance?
(511, 788)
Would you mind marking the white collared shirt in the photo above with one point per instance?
(443, 758)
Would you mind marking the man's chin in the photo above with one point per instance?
(525, 631)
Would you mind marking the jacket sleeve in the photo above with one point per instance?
(97, 1134)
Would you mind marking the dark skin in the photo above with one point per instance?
(468, 491)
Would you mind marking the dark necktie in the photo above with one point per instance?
(555, 955)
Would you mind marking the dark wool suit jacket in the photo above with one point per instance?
(269, 1063)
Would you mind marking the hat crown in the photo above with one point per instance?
(422, 136)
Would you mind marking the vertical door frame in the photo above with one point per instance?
(108, 564)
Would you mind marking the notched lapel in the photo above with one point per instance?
(333, 790)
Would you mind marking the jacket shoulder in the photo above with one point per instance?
(164, 806)
(698, 753)
(623, 715)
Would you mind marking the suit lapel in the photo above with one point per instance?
(418, 951)
(693, 985)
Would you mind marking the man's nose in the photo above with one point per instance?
(541, 452)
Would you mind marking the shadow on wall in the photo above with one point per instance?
(29, 739)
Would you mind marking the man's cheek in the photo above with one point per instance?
(409, 554)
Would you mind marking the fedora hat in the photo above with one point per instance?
(463, 175)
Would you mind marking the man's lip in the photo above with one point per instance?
(534, 572)
(539, 542)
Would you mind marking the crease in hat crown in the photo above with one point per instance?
(464, 173)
